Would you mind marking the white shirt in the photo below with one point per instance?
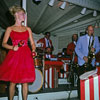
(74, 42)
(88, 37)
(48, 56)
(47, 42)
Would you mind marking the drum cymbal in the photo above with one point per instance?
(40, 50)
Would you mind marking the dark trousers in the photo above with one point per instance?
(81, 70)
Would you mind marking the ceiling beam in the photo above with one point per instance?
(83, 26)
(75, 29)
(95, 5)
(69, 21)
(55, 18)
(40, 15)
(77, 25)
(10, 3)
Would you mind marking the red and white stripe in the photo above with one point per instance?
(65, 67)
(50, 78)
(90, 88)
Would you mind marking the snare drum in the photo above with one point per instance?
(38, 62)
(37, 84)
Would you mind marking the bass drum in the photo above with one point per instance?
(37, 84)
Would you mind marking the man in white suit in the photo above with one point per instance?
(82, 50)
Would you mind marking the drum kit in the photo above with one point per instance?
(39, 71)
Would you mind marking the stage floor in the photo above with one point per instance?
(63, 92)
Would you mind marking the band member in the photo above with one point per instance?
(86, 44)
(62, 54)
(18, 66)
(46, 41)
(48, 53)
(71, 48)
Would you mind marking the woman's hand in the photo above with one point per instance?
(15, 48)
(34, 54)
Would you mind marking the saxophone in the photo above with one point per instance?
(91, 55)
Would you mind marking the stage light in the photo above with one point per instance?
(96, 25)
(94, 13)
(36, 1)
(63, 5)
(83, 11)
(51, 3)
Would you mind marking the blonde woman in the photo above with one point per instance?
(18, 66)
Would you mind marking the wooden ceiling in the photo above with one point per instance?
(42, 17)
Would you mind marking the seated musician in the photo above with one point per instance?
(63, 53)
(48, 53)
(86, 45)
(71, 48)
(46, 41)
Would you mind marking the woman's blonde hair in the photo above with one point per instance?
(15, 9)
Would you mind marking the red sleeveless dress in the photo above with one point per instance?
(18, 66)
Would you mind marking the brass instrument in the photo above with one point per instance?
(91, 55)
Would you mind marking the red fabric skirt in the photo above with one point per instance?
(18, 66)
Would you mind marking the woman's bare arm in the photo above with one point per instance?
(31, 39)
(5, 39)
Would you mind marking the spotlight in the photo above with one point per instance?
(96, 25)
(63, 5)
(83, 11)
(94, 13)
(51, 3)
(36, 1)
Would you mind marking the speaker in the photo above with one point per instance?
(36, 1)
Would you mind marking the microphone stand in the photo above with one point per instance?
(43, 61)
(19, 92)
(71, 74)
(43, 69)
